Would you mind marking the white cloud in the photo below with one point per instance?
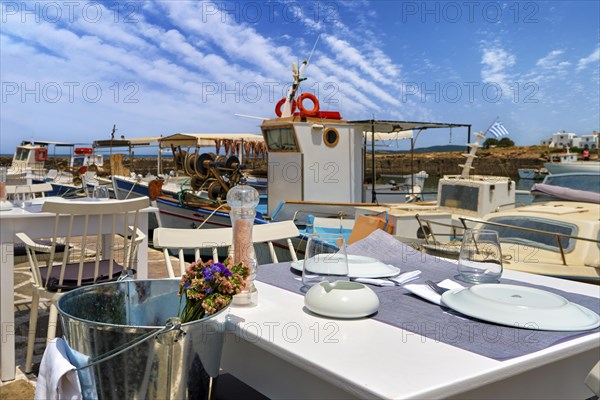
(594, 57)
(496, 65)
(552, 62)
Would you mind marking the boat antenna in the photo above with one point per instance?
(313, 49)
(251, 116)
(297, 73)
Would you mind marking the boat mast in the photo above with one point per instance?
(289, 99)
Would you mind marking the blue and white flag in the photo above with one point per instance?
(498, 130)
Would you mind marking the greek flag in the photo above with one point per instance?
(498, 130)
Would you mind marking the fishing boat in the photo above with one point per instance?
(29, 166)
(557, 235)
(533, 173)
(567, 162)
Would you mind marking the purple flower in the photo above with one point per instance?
(208, 274)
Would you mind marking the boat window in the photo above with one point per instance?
(280, 139)
(331, 137)
(22, 154)
(462, 197)
(542, 240)
(78, 161)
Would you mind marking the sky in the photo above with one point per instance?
(70, 70)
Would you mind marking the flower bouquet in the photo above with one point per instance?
(209, 287)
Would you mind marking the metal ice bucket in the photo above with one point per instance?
(124, 349)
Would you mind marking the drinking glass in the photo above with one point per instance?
(480, 259)
(101, 192)
(325, 259)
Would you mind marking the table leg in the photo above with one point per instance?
(7, 311)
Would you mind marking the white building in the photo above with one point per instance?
(586, 141)
(569, 139)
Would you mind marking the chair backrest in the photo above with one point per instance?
(182, 241)
(108, 227)
(269, 233)
(28, 191)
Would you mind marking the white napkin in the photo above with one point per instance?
(397, 280)
(424, 291)
(57, 378)
(374, 281)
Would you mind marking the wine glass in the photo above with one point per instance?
(101, 192)
(480, 259)
(325, 259)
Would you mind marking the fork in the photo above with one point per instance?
(435, 287)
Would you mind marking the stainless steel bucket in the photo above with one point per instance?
(118, 340)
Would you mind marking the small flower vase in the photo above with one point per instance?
(243, 199)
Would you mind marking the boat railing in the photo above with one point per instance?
(425, 227)
(340, 214)
(557, 236)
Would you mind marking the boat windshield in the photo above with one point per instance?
(588, 182)
(280, 139)
(22, 154)
(544, 237)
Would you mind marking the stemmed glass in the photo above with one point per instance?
(101, 192)
(325, 259)
(480, 259)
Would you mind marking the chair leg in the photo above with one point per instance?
(52, 321)
(33, 316)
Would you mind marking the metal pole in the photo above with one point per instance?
(373, 193)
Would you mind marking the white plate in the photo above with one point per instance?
(362, 267)
(522, 307)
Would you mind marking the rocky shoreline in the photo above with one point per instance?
(503, 162)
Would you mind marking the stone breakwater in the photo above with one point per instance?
(435, 164)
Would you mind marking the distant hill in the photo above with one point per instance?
(433, 149)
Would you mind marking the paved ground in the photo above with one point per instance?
(24, 386)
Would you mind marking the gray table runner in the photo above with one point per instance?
(400, 308)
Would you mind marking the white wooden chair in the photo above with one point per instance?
(182, 241)
(276, 231)
(114, 256)
(27, 192)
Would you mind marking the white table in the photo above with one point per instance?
(284, 352)
(36, 224)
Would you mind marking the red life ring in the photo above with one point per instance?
(281, 103)
(82, 169)
(41, 154)
(314, 100)
(83, 150)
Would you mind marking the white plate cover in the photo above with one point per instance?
(361, 267)
(522, 307)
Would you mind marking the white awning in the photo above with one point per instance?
(388, 135)
(206, 139)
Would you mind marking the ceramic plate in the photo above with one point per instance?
(521, 306)
(362, 267)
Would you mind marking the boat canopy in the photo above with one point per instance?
(206, 139)
(398, 130)
(131, 142)
(46, 143)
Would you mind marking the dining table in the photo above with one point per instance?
(28, 218)
(409, 348)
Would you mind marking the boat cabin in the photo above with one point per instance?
(29, 161)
